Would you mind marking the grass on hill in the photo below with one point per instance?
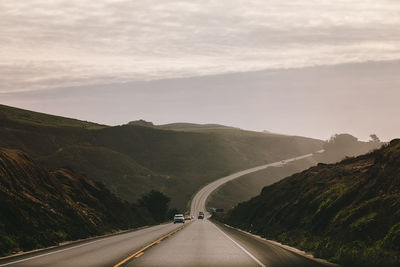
(348, 212)
(246, 187)
(41, 208)
(131, 160)
(36, 118)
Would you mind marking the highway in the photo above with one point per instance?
(204, 243)
(99, 252)
(196, 243)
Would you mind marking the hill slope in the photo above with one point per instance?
(347, 212)
(40, 208)
(36, 118)
(246, 187)
(184, 126)
(132, 160)
(180, 126)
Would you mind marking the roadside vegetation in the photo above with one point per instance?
(347, 212)
(41, 208)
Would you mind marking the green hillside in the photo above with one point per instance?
(132, 160)
(40, 208)
(36, 118)
(348, 212)
(248, 186)
(244, 188)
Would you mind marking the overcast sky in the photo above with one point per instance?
(56, 49)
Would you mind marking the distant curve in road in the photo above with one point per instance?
(199, 200)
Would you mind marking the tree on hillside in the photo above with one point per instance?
(340, 146)
(172, 212)
(374, 138)
(340, 141)
(156, 203)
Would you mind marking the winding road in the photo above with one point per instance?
(196, 243)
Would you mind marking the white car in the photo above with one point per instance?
(179, 218)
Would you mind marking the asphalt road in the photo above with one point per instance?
(197, 243)
(204, 243)
(99, 252)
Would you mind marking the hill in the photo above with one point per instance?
(248, 186)
(141, 123)
(40, 119)
(244, 188)
(181, 126)
(345, 145)
(346, 212)
(40, 208)
(184, 126)
(132, 160)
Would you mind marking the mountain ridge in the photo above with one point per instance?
(180, 126)
(177, 163)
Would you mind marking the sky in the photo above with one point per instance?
(80, 58)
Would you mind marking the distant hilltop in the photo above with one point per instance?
(141, 123)
(181, 126)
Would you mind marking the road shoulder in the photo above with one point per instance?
(271, 252)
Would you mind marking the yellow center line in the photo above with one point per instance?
(140, 252)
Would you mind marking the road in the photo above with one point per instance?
(100, 252)
(197, 243)
(199, 200)
(204, 243)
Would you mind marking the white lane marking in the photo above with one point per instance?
(242, 248)
(57, 251)
(46, 254)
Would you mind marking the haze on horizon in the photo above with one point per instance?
(165, 61)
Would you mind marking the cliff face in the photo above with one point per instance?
(347, 212)
(40, 208)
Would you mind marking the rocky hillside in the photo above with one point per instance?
(348, 212)
(40, 208)
(133, 160)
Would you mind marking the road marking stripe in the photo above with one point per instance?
(242, 248)
(46, 254)
(54, 252)
(101, 238)
(140, 252)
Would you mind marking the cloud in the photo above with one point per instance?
(53, 43)
(359, 99)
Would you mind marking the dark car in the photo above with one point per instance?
(201, 215)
